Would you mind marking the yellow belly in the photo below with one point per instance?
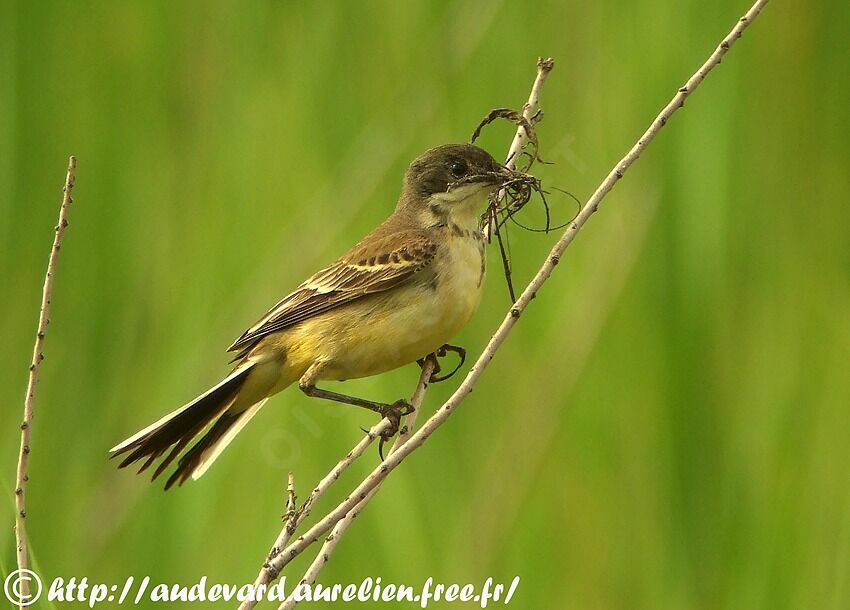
(384, 331)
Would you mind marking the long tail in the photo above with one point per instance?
(174, 431)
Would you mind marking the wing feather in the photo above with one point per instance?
(374, 265)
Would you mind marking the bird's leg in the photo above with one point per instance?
(393, 412)
(440, 353)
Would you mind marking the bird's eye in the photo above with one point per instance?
(458, 169)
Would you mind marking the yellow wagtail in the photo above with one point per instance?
(398, 295)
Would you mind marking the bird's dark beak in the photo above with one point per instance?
(506, 174)
(496, 177)
(499, 174)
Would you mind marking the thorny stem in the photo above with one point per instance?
(29, 400)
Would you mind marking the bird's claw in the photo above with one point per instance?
(441, 353)
(393, 413)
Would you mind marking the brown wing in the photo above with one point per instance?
(374, 265)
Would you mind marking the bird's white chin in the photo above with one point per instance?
(463, 204)
(474, 192)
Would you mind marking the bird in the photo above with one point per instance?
(399, 294)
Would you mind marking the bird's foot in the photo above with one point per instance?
(394, 413)
(442, 352)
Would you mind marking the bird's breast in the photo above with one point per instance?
(460, 275)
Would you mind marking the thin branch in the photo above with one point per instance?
(266, 575)
(530, 112)
(376, 431)
(294, 518)
(441, 416)
(37, 358)
(339, 529)
(291, 513)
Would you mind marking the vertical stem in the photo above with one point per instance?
(29, 400)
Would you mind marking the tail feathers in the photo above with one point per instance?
(177, 429)
(200, 457)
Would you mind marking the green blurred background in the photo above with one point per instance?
(668, 425)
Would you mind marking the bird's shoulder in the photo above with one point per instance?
(392, 246)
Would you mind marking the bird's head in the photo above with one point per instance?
(452, 181)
